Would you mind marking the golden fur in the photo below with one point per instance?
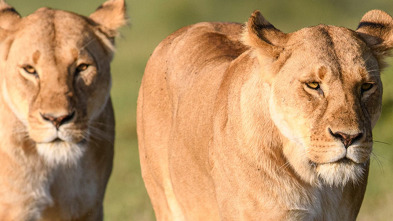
(245, 122)
(57, 123)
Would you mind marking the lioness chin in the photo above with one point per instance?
(245, 122)
(57, 123)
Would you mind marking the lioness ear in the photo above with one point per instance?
(8, 16)
(259, 33)
(269, 42)
(376, 28)
(111, 15)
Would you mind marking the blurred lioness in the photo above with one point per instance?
(57, 123)
(245, 122)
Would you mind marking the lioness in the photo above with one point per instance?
(249, 123)
(57, 123)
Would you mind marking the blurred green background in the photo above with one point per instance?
(152, 20)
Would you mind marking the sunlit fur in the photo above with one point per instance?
(339, 174)
(61, 153)
(230, 129)
(57, 120)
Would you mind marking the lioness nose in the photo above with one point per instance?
(346, 139)
(58, 120)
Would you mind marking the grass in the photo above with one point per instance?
(153, 20)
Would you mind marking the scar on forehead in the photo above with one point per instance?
(36, 56)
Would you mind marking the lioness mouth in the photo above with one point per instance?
(344, 160)
(57, 140)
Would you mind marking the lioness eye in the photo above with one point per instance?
(313, 85)
(367, 86)
(29, 69)
(82, 67)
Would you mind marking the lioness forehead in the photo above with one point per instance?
(333, 42)
(53, 34)
(339, 49)
(54, 25)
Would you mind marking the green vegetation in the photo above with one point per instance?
(152, 20)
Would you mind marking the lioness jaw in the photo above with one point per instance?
(57, 120)
(238, 121)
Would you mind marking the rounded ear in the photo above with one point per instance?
(259, 33)
(9, 17)
(376, 29)
(111, 15)
(269, 43)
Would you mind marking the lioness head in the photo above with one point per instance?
(55, 74)
(326, 92)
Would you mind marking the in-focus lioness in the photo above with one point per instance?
(249, 123)
(57, 123)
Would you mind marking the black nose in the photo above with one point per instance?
(346, 139)
(58, 120)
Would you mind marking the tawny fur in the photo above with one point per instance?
(230, 128)
(56, 65)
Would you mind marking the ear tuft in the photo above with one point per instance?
(268, 42)
(4, 5)
(377, 17)
(8, 16)
(259, 33)
(111, 15)
(376, 28)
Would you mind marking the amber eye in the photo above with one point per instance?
(367, 86)
(29, 69)
(82, 67)
(313, 85)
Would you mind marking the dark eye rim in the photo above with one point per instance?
(82, 67)
(313, 82)
(370, 84)
(29, 69)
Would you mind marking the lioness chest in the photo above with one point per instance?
(38, 192)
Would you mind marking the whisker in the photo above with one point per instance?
(87, 43)
(382, 142)
(287, 164)
(378, 162)
(284, 166)
(99, 133)
(98, 123)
